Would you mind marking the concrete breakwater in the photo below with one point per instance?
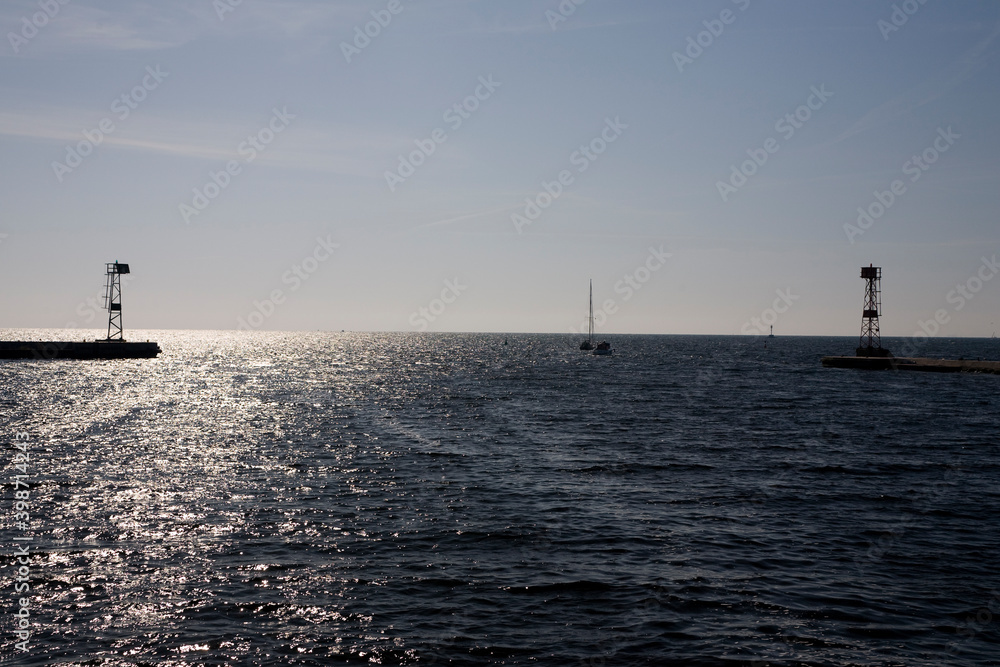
(83, 350)
(914, 364)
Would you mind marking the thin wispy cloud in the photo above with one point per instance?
(343, 150)
(83, 28)
(539, 26)
(929, 91)
(468, 217)
(95, 27)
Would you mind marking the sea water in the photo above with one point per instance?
(324, 498)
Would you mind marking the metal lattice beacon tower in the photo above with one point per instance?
(871, 341)
(113, 300)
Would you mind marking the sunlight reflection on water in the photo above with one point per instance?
(305, 498)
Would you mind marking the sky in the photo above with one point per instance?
(714, 167)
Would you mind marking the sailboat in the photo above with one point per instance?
(589, 343)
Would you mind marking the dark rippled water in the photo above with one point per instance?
(312, 499)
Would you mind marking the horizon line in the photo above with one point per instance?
(496, 333)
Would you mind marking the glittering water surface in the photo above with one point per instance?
(308, 499)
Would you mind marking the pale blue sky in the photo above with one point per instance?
(343, 125)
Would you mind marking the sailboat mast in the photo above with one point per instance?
(591, 333)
